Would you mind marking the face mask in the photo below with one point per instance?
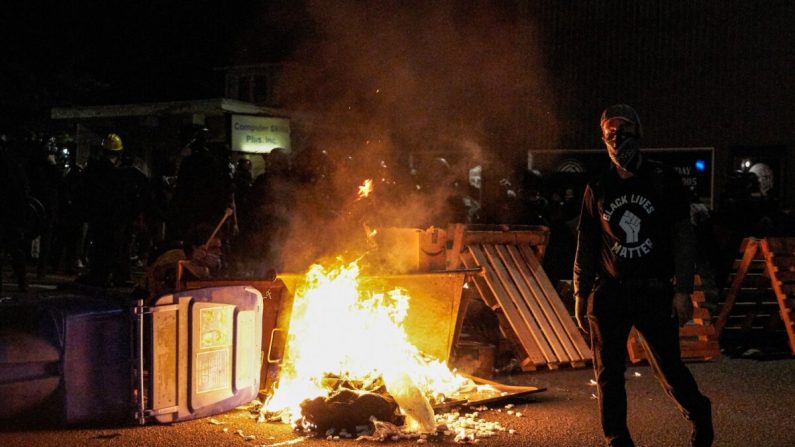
(623, 150)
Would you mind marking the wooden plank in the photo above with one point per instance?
(552, 331)
(751, 248)
(455, 233)
(695, 348)
(693, 330)
(527, 363)
(527, 311)
(756, 296)
(525, 277)
(756, 281)
(524, 335)
(757, 264)
(534, 238)
(701, 314)
(546, 302)
(688, 349)
(557, 304)
(780, 296)
(635, 350)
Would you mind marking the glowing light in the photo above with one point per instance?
(701, 165)
(340, 332)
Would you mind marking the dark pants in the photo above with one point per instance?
(13, 241)
(111, 254)
(645, 304)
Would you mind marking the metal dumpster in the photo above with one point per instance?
(433, 321)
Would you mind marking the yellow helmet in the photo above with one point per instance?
(112, 143)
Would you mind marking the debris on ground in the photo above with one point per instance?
(245, 437)
(468, 428)
(346, 410)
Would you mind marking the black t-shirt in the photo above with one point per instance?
(633, 221)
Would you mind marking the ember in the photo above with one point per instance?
(365, 188)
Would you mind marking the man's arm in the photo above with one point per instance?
(684, 243)
(683, 246)
(586, 257)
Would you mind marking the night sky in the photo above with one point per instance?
(62, 53)
(543, 66)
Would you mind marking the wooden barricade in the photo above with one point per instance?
(697, 339)
(761, 298)
(514, 285)
(779, 254)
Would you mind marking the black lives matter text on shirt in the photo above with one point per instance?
(635, 217)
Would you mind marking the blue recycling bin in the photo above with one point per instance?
(73, 359)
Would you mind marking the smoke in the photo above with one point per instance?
(380, 87)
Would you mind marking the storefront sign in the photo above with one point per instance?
(258, 134)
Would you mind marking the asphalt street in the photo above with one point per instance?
(752, 405)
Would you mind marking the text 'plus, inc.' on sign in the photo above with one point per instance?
(259, 134)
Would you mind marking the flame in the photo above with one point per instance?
(340, 331)
(365, 189)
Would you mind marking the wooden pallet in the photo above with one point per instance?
(761, 297)
(530, 312)
(697, 339)
(779, 255)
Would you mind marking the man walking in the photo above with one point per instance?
(634, 267)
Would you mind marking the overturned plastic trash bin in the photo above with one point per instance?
(73, 359)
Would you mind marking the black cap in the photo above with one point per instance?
(624, 112)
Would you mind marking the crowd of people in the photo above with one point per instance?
(112, 217)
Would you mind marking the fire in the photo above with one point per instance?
(339, 331)
(365, 188)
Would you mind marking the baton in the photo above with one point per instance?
(227, 213)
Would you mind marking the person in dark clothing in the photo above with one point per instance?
(137, 193)
(203, 190)
(68, 221)
(534, 207)
(634, 267)
(101, 192)
(45, 176)
(13, 208)
(268, 220)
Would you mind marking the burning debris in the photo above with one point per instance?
(349, 370)
(349, 412)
